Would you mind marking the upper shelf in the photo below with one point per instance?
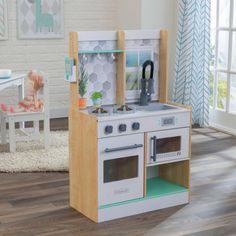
(100, 51)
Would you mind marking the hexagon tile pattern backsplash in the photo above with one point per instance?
(102, 68)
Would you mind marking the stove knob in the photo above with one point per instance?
(136, 126)
(108, 129)
(122, 127)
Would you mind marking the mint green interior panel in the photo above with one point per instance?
(157, 187)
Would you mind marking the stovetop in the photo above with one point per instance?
(137, 111)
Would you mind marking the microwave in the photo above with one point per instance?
(167, 145)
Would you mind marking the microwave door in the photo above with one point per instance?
(168, 145)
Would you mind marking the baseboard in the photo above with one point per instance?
(223, 128)
(59, 113)
(142, 206)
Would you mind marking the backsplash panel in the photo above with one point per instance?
(102, 68)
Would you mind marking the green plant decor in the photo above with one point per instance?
(96, 96)
(83, 81)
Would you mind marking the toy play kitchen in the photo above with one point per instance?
(132, 154)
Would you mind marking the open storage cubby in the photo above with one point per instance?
(167, 179)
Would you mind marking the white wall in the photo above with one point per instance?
(162, 14)
(223, 121)
(129, 14)
(48, 55)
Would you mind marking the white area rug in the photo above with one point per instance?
(31, 157)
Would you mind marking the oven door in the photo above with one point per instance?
(120, 168)
(168, 145)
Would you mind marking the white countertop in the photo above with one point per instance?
(141, 111)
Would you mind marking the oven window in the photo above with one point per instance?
(166, 145)
(120, 169)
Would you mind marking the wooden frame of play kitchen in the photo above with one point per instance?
(144, 182)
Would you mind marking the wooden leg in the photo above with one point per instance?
(3, 130)
(12, 135)
(46, 133)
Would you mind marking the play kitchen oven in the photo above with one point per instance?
(120, 168)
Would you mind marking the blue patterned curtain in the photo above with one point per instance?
(191, 86)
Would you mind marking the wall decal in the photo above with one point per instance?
(39, 19)
(3, 20)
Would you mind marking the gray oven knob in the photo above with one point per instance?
(136, 126)
(108, 129)
(122, 127)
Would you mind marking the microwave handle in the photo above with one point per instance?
(154, 148)
(135, 146)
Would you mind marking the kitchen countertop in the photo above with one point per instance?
(140, 111)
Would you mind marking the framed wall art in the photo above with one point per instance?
(40, 19)
(3, 20)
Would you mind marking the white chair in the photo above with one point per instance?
(26, 134)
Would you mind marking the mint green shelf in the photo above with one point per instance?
(156, 187)
(100, 51)
(121, 203)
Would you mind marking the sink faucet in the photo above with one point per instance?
(147, 84)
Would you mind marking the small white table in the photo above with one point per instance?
(15, 80)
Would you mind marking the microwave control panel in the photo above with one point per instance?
(167, 121)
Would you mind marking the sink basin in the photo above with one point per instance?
(155, 107)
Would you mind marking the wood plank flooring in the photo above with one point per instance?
(37, 203)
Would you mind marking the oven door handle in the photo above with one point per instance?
(154, 148)
(135, 146)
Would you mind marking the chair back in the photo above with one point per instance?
(37, 85)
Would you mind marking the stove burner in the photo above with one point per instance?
(99, 110)
(124, 108)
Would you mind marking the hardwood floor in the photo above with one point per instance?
(37, 203)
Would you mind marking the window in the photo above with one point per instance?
(223, 61)
(134, 61)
